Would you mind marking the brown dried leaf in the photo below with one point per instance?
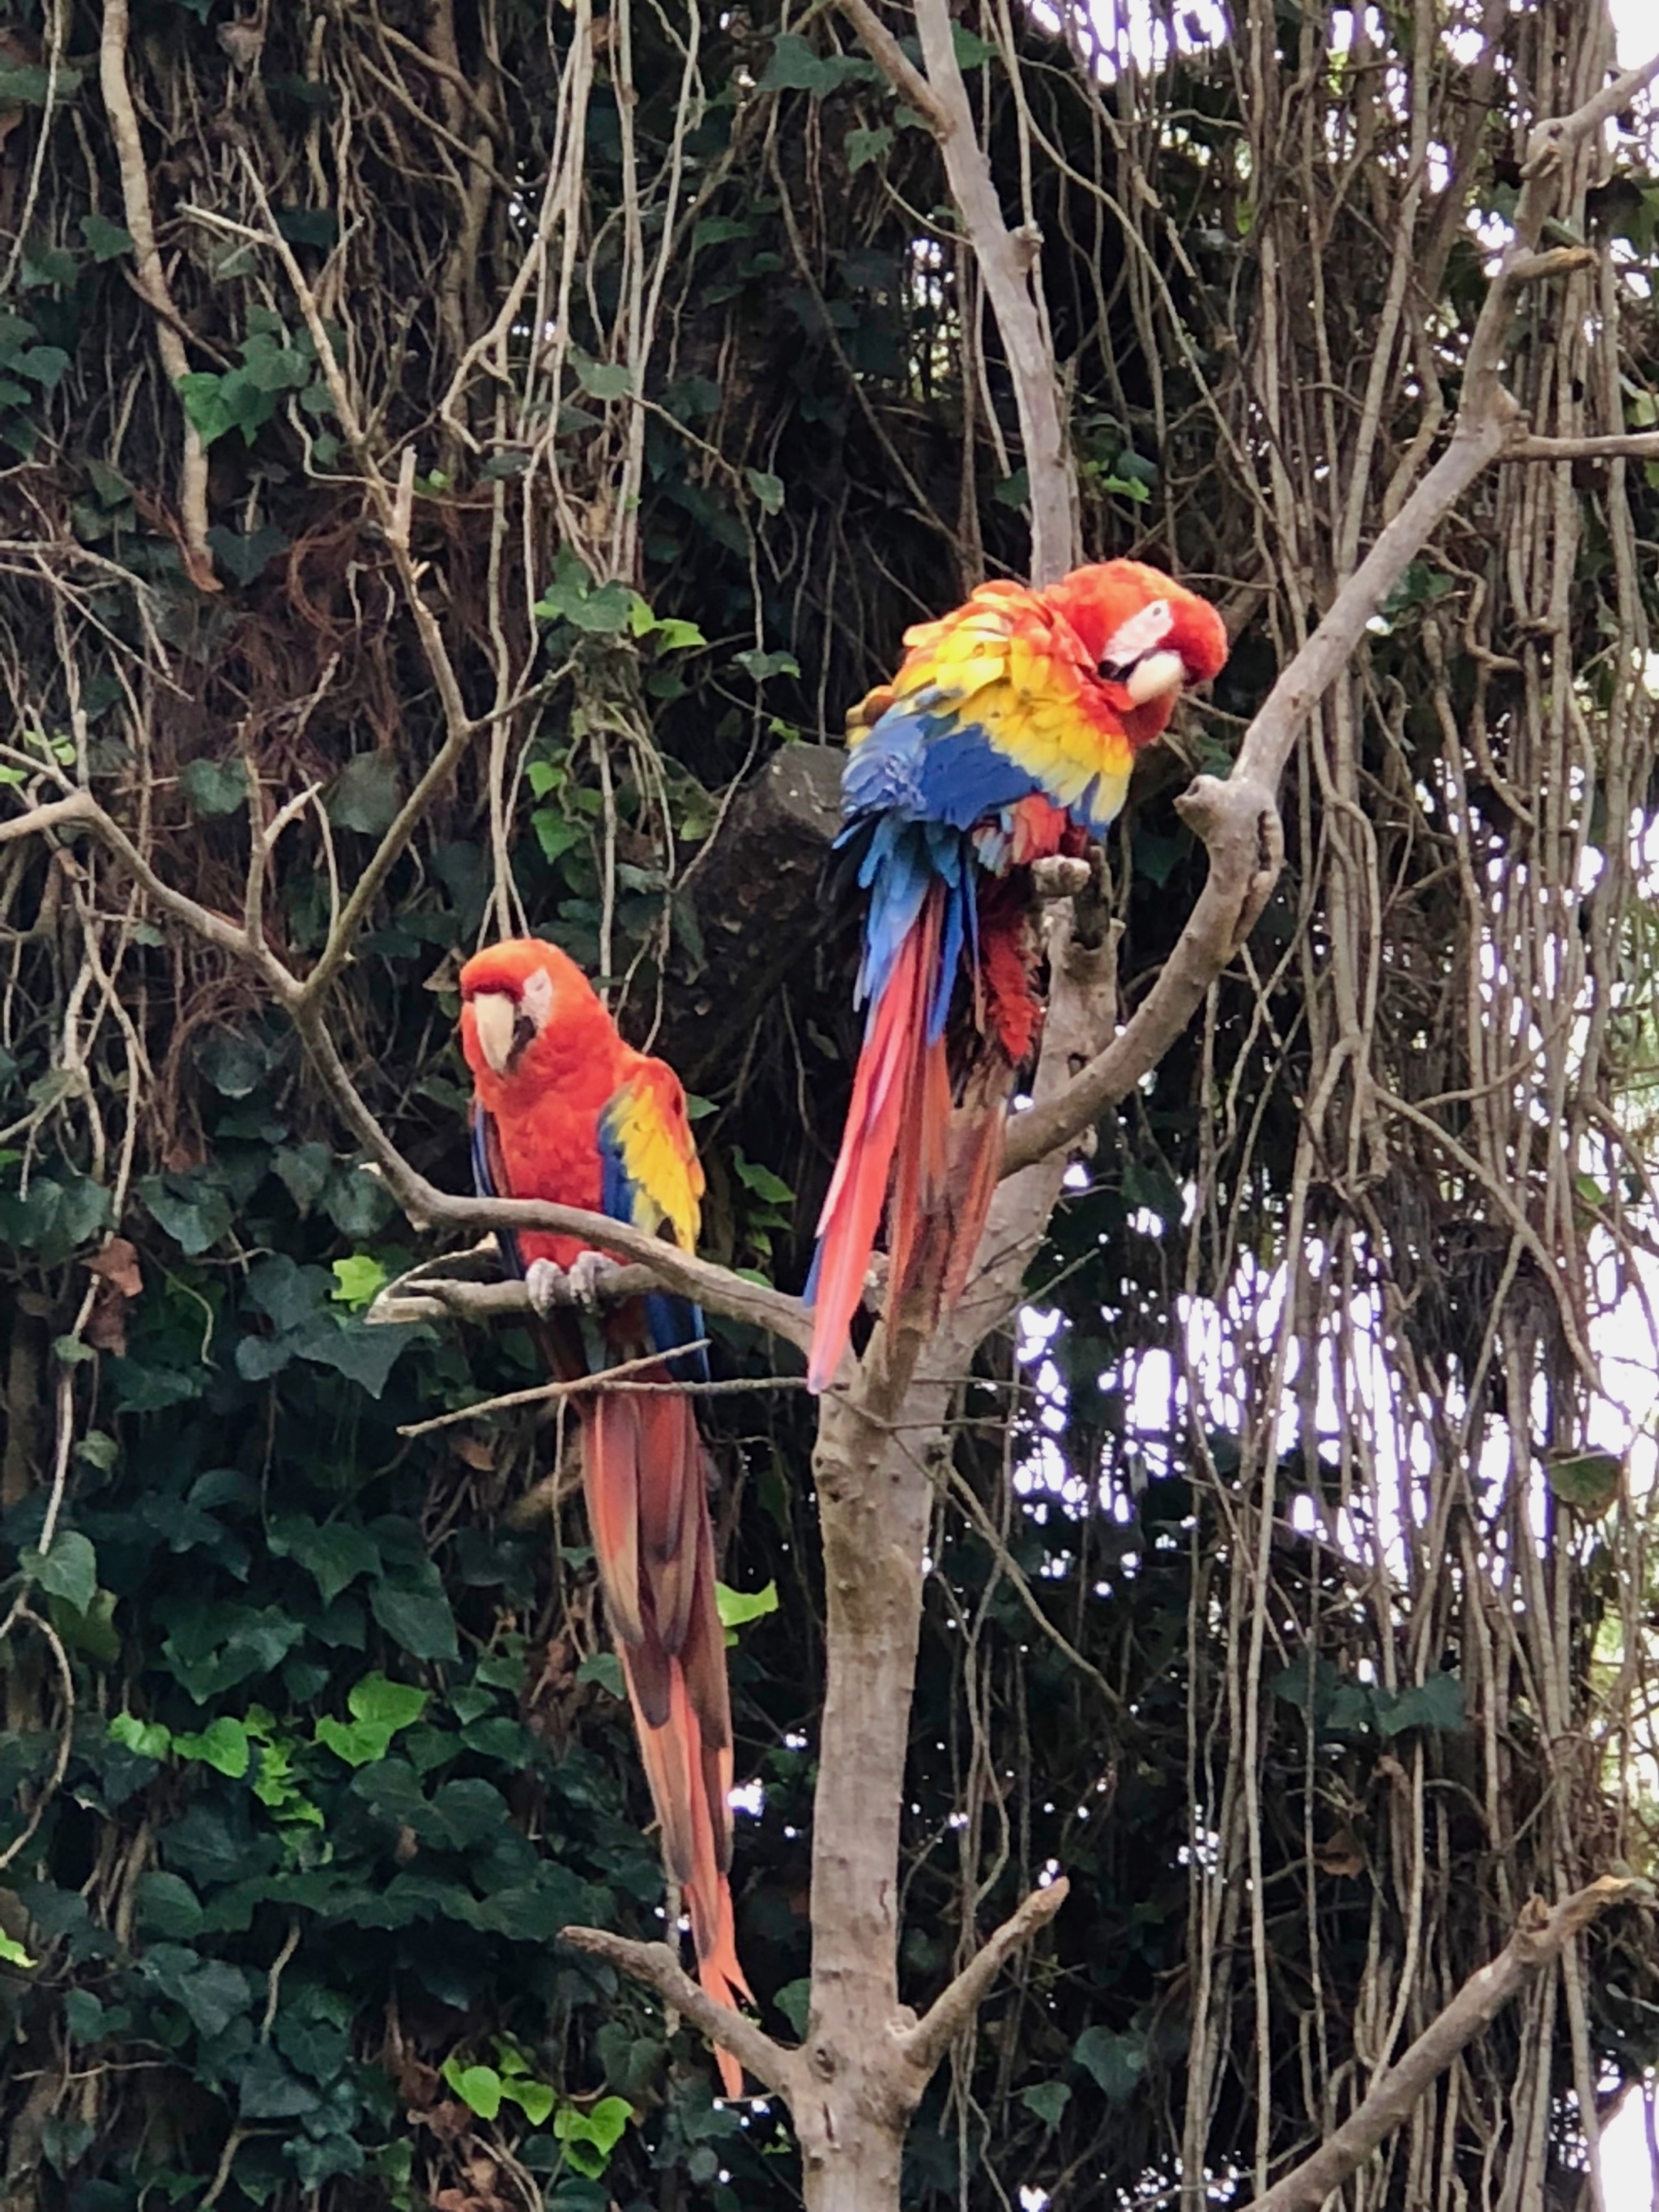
(117, 1264)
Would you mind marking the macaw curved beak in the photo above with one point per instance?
(495, 1017)
(1155, 677)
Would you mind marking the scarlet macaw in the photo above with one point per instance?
(1006, 737)
(563, 1109)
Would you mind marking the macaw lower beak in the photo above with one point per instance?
(495, 1017)
(1155, 676)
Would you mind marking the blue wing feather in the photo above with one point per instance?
(489, 1180)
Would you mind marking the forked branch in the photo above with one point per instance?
(657, 1967)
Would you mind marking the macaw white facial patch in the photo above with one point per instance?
(1142, 634)
(537, 1000)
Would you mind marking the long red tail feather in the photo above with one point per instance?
(889, 1096)
(648, 1505)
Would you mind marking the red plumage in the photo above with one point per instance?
(560, 1101)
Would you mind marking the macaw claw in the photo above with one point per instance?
(587, 1279)
(547, 1284)
(584, 1284)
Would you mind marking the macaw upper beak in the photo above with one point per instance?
(1155, 677)
(495, 1017)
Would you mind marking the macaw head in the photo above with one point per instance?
(514, 995)
(1148, 637)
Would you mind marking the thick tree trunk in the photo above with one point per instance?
(872, 1503)
(879, 1455)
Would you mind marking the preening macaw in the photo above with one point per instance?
(563, 1109)
(1006, 737)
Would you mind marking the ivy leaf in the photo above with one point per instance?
(738, 1607)
(762, 1181)
(366, 796)
(147, 1739)
(604, 1668)
(43, 365)
(719, 230)
(759, 665)
(590, 2137)
(31, 84)
(358, 1202)
(1048, 2099)
(333, 1554)
(417, 1619)
(247, 558)
(793, 66)
(863, 147)
(1587, 1480)
(971, 51)
(1116, 2061)
(12, 1953)
(233, 1063)
(535, 2100)
(1434, 1702)
(214, 787)
(167, 1906)
(768, 489)
(304, 1170)
(363, 1353)
(206, 409)
(104, 239)
(268, 2091)
(222, 1745)
(478, 2087)
(358, 1281)
(605, 380)
(69, 1570)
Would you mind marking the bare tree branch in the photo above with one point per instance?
(1539, 1940)
(927, 2042)
(151, 280)
(1008, 262)
(656, 1966)
(1632, 445)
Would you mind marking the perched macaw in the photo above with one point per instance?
(563, 1109)
(1006, 737)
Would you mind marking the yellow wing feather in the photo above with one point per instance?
(646, 1121)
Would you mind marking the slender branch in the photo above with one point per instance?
(151, 278)
(1618, 446)
(1540, 1937)
(1549, 140)
(730, 1385)
(1008, 262)
(79, 806)
(925, 2043)
(656, 1966)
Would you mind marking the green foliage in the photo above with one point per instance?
(275, 364)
